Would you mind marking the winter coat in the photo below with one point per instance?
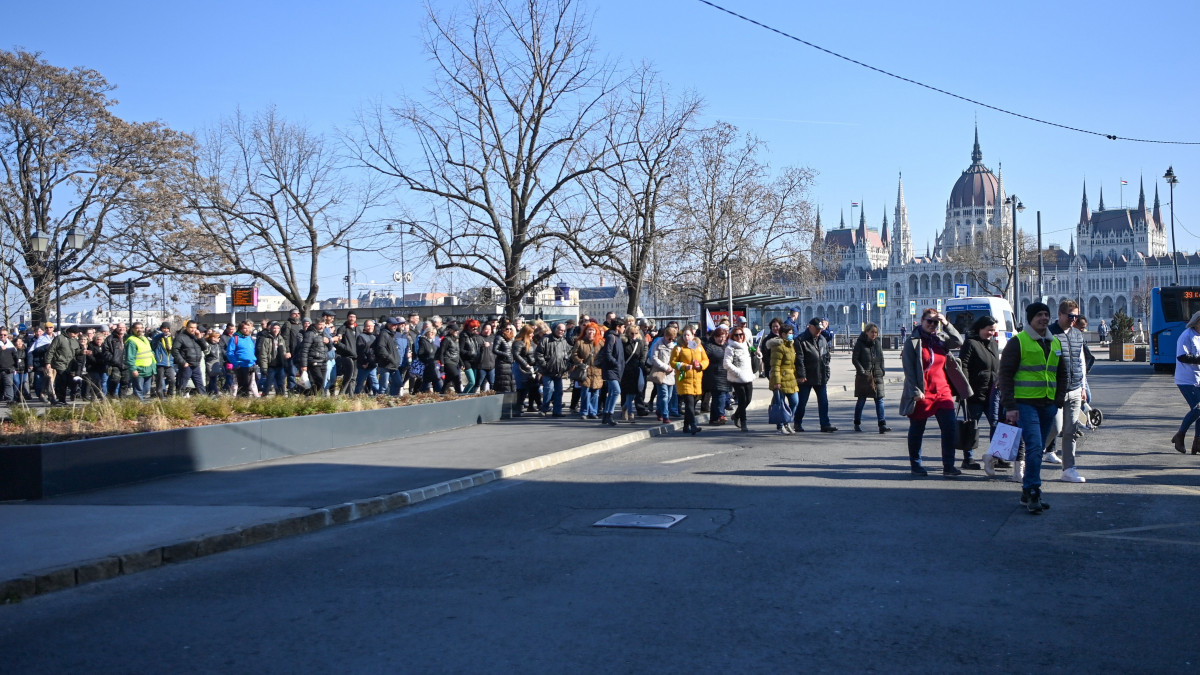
(293, 335)
(502, 353)
(313, 352)
(611, 359)
(660, 360)
(162, 344)
(240, 351)
(470, 349)
(981, 363)
(347, 346)
(213, 357)
(364, 346)
(64, 351)
(270, 350)
(691, 382)
(812, 359)
(449, 353)
(739, 369)
(715, 376)
(868, 359)
(188, 349)
(585, 353)
(914, 370)
(487, 357)
(114, 352)
(387, 354)
(94, 362)
(523, 356)
(783, 367)
(635, 358)
(427, 354)
(554, 356)
(768, 341)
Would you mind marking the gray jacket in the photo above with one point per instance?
(914, 372)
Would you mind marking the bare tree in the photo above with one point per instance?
(68, 164)
(503, 136)
(620, 228)
(987, 261)
(265, 199)
(732, 214)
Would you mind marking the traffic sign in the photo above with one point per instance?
(862, 306)
(126, 287)
(881, 298)
(845, 310)
(939, 304)
(912, 307)
(960, 290)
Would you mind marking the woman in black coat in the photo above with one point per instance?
(868, 376)
(716, 381)
(980, 358)
(632, 378)
(502, 350)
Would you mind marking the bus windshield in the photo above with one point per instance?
(1179, 303)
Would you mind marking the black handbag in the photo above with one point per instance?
(967, 437)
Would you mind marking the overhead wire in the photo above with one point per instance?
(1111, 137)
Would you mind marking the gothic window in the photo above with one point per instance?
(979, 221)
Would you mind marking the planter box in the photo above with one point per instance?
(38, 471)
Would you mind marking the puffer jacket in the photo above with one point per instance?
(739, 369)
(449, 352)
(611, 359)
(189, 349)
(691, 382)
(240, 351)
(635, 358)
(715, 377)
(313, 352)
(269, 349)
(502, 350)
(812, 358)
(783, 367)
(660, 360)
(585, 353)
(868, 358)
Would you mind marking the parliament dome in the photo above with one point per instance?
(977, 186)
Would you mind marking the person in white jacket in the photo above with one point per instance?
(1187, 378)
(740, 372)
(662, 374)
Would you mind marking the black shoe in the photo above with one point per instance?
(558, 415)
(695, 430)
(883, 428)
(1001, 464)
(1031, 498)
(951, 473)
(799, 429)
(971, 465)
(919, 471)
(828, 430)
(858, 426)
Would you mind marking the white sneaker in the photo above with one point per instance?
(1018, 474)
(1051, 458)
(1072, 476)
(989, 466)
(787, 429)
(781, 431)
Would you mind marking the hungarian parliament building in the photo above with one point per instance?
(1116, 256)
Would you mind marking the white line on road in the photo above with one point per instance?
(684, 459)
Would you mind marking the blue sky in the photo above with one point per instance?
(1111, 67)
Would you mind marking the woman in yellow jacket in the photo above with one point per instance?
(783, 373)
(689, 361)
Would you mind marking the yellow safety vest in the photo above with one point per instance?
(1036, 377)
(145, 355)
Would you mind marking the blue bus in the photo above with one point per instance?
(1170, 309)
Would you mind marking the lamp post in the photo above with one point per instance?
(1171, 181)
(727, 274)
(1015, 202)
(40, 244)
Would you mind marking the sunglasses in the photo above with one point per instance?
(1073, 317)
(928, 320)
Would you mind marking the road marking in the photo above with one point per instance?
(685, 459)
(1114, 534)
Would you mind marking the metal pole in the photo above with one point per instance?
(1040, 287)
(729, 276)
(349, 298)
(58, 284)
(1172, 180)
(403, 271)
(129, 292)
(1016, 280)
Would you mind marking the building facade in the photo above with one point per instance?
(1122, 253)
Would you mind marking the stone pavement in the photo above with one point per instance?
(65, 541)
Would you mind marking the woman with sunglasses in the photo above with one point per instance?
(932, 378)
(739, 370)
(868, 376)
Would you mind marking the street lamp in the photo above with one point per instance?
(1172, 180)
(40, 244)
(1015, 202)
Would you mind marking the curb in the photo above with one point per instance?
(59, 578)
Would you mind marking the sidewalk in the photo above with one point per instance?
(75, 539)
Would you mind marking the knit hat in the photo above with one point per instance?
(1033, 309)
(815, 321)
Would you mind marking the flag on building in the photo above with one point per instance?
(1124, 182)
(853, 203)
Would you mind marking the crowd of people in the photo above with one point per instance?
(618, 369)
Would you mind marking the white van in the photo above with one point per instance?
(962, 313)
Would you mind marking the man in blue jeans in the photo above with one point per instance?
(553, 359)
(1033, 383)
(611, 361)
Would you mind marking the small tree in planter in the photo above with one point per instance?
(1122, 332)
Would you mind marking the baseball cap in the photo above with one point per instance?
(394, 321)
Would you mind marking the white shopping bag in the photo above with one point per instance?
(1005, 442)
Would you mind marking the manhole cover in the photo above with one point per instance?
(652, 521)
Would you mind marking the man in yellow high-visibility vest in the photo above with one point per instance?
(139, 356)
(1033, 384)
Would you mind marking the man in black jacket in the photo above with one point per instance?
(387, 355)
(273, 357)
(8, 365)
(114, 361)
(553, 359)
(293, 333)
(189, 359)
(450, 355)
(365, 361)
(346, 350)
(812, 373)
(314, 354)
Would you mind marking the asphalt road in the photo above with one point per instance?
(808, 553)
